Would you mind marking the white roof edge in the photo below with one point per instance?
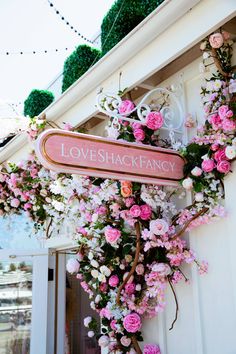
(165, 15)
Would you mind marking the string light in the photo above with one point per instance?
(34, 52)
(68, 23)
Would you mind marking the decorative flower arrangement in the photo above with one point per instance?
(130, 245)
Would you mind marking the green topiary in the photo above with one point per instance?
(37, 101)
(130, 13)
(78, 63)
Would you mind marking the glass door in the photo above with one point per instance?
(73, 305)
(23, 301)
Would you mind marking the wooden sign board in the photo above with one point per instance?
(88, 155)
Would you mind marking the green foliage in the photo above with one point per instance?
(78, 63)
(193, 155)
(37, 101)
(118, 23)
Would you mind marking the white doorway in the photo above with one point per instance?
(23, 301)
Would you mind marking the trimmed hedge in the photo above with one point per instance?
(37, 101)
(132, 13)
(78, 63)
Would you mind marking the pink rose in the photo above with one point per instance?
(228, 124)
(146, 212)
(105, 313)
(216, 121)
(112, 235)
(27, 206)
(222, 111)
(135, 211)
(214, 147)
(220, 155)
(216, 40)
(113, 325)
(125, 341)
(103, 287)
(136, 126)
(162, 269)
(223, 166)
(129, 202)
(129, 288)
(154, 120)
(132, 322)
(151, 349)
(126, 107)
(229, 114)
(139, 134)
(208, 165)
(113, 281)
(139, 269)
(15, 203)
(159, 226)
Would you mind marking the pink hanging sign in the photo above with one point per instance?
(88, 155)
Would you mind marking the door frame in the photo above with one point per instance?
(39, 259)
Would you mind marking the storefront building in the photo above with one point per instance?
(163, 51)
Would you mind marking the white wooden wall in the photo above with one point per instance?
(207, 306)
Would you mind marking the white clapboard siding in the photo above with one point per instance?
(207, 306)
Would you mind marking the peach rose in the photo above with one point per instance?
(126, 189)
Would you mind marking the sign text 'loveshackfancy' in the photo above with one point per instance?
(68, 152)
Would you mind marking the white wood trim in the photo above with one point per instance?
(61, 305)
(39, 259)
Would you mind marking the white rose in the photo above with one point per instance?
(187, 183)
(90, 256)
(162, 269)
(199, 197)
(230, 152)
(87, 321)
(196, 171)
(72, 266)
(103, 341)
(102, 278)
(203, 45)
(105, 270)
(205, 55)
(43, 192)
(91, 334)
(138, 287)
(58, 205)
(94, 263)
(97, 299)
(205, 157)
(234, 142)
(94, 273)
(94, 217)
(128, 258)
(92, 305)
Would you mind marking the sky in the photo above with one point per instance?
(27, 25)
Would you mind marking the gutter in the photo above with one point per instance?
(151, 27)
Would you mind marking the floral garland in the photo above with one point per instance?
(130, 247)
